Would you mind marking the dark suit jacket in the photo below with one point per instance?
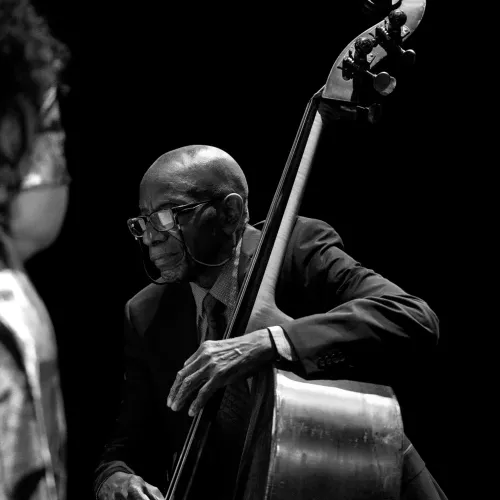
(353, 324)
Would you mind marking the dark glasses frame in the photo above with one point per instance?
(150, 217)
(49, 170)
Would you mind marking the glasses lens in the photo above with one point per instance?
(45, 163)
(163, 220)
(137, 226)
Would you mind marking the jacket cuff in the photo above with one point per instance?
(107, 471)
(320, 350)
(282, 343)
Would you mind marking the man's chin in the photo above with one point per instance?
(176, 274)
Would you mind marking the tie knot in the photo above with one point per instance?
(214, 312)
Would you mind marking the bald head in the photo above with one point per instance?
(204, 235)
(200, 172)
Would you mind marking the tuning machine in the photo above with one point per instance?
(390, 36)
(335, 110)
(358, 64)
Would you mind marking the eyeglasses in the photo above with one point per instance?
(43, 163)
(47, 164)
(47, 160)
(163, 219)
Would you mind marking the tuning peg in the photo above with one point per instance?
(383, 83)
(362, 47)
(357, 63)
(390, 36)
(396, 20)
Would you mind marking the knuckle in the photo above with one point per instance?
(188, 381)
(187, 385)
(208, 357)
(136, 481)
(205, 357)
(209, 367)
(214, 367)
(208, 345)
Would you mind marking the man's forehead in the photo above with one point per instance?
(162, 199)
(177, 181)
(156, 194)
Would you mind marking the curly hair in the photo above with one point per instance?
(30, 57)
(31, 61)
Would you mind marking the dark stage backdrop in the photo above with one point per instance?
(146, 79)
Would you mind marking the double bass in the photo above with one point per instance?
(314, 439)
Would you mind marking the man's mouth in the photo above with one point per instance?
(166, 260)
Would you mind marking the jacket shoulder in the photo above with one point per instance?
(315, 230)
(141, 308)
(149, 293)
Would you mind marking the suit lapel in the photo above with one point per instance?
(171, 336)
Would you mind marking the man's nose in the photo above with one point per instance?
(151, 235)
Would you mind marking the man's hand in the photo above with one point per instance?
(123, 486)
(218, 363)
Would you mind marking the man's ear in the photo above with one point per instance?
(232, 212)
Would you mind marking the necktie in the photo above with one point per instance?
(235, 406)
(214, 313)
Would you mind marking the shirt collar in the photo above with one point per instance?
(225, 288)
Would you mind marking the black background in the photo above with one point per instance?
(149, 78)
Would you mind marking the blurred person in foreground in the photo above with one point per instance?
(33, 200)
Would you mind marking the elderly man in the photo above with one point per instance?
(194, 228)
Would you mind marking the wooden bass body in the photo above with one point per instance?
(323, 439)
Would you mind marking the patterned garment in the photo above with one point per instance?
(225, 290)
(32, 422)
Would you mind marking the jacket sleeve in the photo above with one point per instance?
(128, 446)
(361, 323)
